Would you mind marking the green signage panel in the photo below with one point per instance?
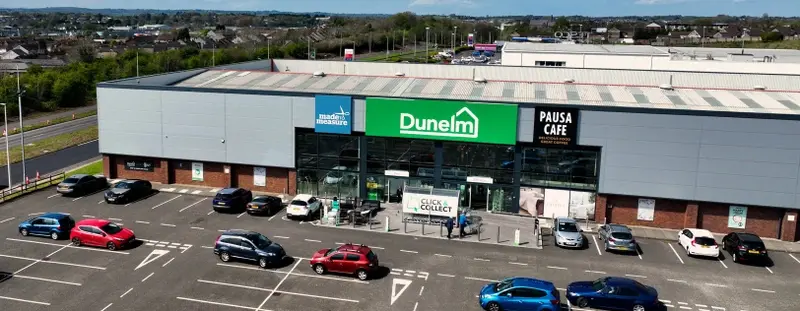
(442, 120)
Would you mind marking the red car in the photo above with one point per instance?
(348, 259)
(101, 233)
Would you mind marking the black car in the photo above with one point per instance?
(82, 184)
(128, 190)
(264, 205)
(746, 247)
(232, 200)
(250, 246)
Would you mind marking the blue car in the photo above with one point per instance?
(613, 293)
(53, 225)
(250, 246)
(518, 294)
(232, 200)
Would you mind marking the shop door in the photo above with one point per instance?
(479, 196)
(394, 189)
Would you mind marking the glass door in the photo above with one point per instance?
(479, 196)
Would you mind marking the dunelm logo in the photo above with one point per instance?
(336, 118)
(467, 127)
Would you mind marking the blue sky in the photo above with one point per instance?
(466, 7)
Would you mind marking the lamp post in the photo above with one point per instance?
(8, 156)
(455, 36)
(427, 37)
(21, 127)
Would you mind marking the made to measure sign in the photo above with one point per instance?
(556, 126)
(428, 204)
(139, 165)
(332, 114)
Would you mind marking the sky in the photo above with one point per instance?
(462, 7)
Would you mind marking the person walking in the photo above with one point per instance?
(462, 225)
(449, 225)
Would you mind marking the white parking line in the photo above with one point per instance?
(215, 303)
(770, 270)
(377, 247)
(310, 240)
(271, 293)
(196, 228)
(480, 259)
(101, 202)
(55, 195)
(685, 307)
(480, 279)
(6, 220)
(313, 276)
(701, 306)
(207, 247)
(518, 263)
(674, 251)
(70, 246)
(716, 285)
(795, 258)
(407, 251)
(665, 301)
(636, 276)
(148, 276)
(718, 308)
(167, 201)
(762, 290)
(190, 205)
(250, 287)
(597, 246)
(594, 271)
(442, 255)
(211, 212)
(26, 300)
(107, 306)
(280, 237)
(723, 263)
(556, 267)
(53, 262)
(88, 216)
(115, 219)
(638, 252)
(36, 214)
(168, 225)
(446, 275)
(676, 281)
(240, 215)
(142, 222)
(44, 280)
(126, 292)
(170, 260)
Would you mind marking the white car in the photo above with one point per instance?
(698, 242)
(303, 205)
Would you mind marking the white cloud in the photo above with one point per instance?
(469, 3)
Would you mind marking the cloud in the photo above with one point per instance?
(469, 3)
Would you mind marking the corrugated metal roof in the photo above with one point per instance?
(506, 91)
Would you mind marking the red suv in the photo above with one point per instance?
(347, 259)
(102, 233)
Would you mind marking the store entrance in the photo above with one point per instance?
(479, 196)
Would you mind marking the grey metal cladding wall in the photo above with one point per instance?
(194, 125)
(129, 121)
(729, 160)
(259, 129)
(525, 119)
(303, 111)
(359, 115)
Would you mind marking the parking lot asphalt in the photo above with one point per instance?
(174, 267)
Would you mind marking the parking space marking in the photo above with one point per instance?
(215, 303)
(36, 214)
(377, 247)
(168, 261)
(277, 291)
(639, 253)
(126, 292)
(115, 219)
(479, 259)
(314, 276)
(148, 276)
(278, 286)
(280, 236)
(168, 225)
(69, 246)
(716, 285)
(518, 263)
(17, 276)
(636, 276)
(556, 267)
(190, 205)
(197, 228)
(446, 275)
(52, 262)
(441, 255)
(240, 215)
(795, 258)
(315, 241)
(597, 246)
(167, 201)
(25, 300)
(676, 252)
(7, 220)
(88, 216)
(407, 251)
(770, 270)
(101, 202)
(55, 195)
(142, 222)
(184, 190)
(723, 263)
(676, 281)
(762, 290)
(107, 306)
(480, 279)
(594, 271)
(211, 212)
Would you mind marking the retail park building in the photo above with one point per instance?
(669, 149)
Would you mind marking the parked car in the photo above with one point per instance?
(698, 242)
(82, 184)
(520, 293)
(232, 200)
(567, 233)
(129, 190)
(303, 205)
(54, 225)
(353, 259)
(250, 246)
(264, 205)
(746, 247)
(617, 237)
(613, 293)
(101, 233)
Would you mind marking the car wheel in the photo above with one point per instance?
(111, 246)
(24, 232)
(362, 274)
(54, 235)
(262, 262)
(224, 256)
(638, 308)
(76, 241)
(724, 246)
(319, 269)
(493, 306)
(582, 302)
(735, 258)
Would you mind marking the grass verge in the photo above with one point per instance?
(9, 194)
(52, 144)
(56, 121)
(93, 168)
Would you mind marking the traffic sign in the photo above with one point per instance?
(153, 256)
(395, 294)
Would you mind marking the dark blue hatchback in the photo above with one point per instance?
(232, 200)
(53, 225)
(613, 293)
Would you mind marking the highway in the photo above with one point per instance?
(51, 162)
(49, 131)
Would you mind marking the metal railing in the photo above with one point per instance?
(33, 186)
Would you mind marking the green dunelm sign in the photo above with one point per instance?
(442, 120)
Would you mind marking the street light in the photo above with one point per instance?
(8, 155)
(455, 35)
(21, 127)
(427, 37)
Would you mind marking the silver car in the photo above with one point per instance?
(567, 233)
(617, 237)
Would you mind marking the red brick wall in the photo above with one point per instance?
(213, 174)
(159, 173)
(277, 179)
(789, 228)
(668, 213)
(108, 165)
(762, 221)
(600, 208)
(292, 182)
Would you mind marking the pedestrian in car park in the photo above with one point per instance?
(462, 224)
(449, 225)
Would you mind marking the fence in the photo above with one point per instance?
(22, 189)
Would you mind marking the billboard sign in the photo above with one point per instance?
(486, 47)
(442, 120)
(429, 204)
(470, 40)
(737, 217)
(139, 165)
(349, 55)
(333, 114)
(555, 126)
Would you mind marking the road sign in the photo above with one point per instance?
(153, 256)
(395, 294)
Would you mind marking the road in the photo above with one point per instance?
(51, 162)
(49, 131)
(175, 269)
(43, 117)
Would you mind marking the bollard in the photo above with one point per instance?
(353, 219)
(423, 228)
(387, 223)
(516, 237)
(498, 235)
(441, 226)
(405, 226)
(479, 232)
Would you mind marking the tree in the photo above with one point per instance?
(183, 34)
(771, 36)
(561, 23)
(86, 53)
(70, 89)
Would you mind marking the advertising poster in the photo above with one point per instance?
(486, 47)
(737, 217)
(556, 203)
(333, 114)
(260, 176)
(139, 165)
(555, 126)
(470, 40)
(581, 205)
(349, 55)
(531, 201)
(428, 204)
(646, 209)
(197, 171)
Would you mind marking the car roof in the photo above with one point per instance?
(239, 232)
(265, 197)
(619, 281)
(531, 282)
(78, 176)
(302, 197)
(54, 215)
(129, 180)
(355, 248)
(228, 190)
(565, 219)
(701, 233)
(93, 222)
(619, 228)
(744, 236)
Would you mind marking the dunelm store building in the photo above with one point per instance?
(608, 145)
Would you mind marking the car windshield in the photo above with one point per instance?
(261, 241)
(260, 200)
(503, 285)
(111, 228)
(622, 235)
(705, 241)
(223, 196)
(598, 285)
(567, 227)
(70, 180)
(329, 252)
(753, 245)
(122, 185)
(299, 203)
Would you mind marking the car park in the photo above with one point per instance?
(249, 246)
(617, 237)
(232, 200)
(520, 293)
(567, 233)
(698, 242)
(264, 205)
(80, 184)
(745, 247)
(613, 293)
(303, 206)
(53, 225)
(352, 259)
(101, 233)
(128, 190)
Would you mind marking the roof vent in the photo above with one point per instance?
(319, 74)
(479, 80)
(399, 74)
(666, 86)
(759, 87)
(569, 80)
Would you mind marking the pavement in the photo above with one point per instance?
(672, 235)
(52, 162)
(174, 267)
(31, 137)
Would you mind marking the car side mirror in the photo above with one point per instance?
(509, 295)
(103, 234)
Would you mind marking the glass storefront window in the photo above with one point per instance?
(561, 168)
(477, 155)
